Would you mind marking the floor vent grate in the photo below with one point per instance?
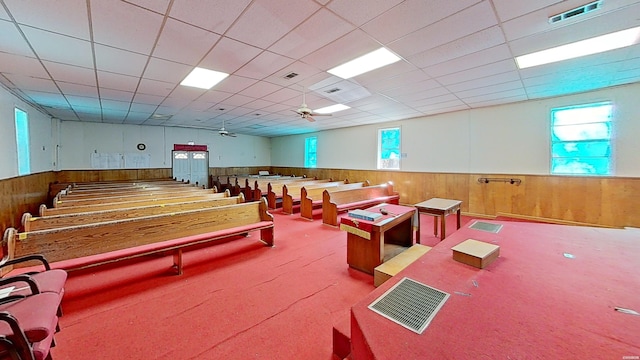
(410, 304)
(485, 226)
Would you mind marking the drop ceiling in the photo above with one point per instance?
(122, 61)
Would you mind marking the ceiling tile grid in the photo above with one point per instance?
(122, 61)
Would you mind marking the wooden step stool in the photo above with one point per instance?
(386, 270)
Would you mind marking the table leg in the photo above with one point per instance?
(435, 225)
(442, 226)
(458, 217)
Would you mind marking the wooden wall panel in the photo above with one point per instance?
(603, 201)
(22, 194)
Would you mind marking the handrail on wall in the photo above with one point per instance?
(484, 180)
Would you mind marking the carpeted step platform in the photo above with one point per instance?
(342, 339)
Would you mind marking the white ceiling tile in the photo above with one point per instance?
(3, 14)
(488, 90)
(155, 87)
(124, 26)
(479, 72)
(464, 23)
(359, 12)
(184, 43)
(11, 40)
(229, 55)
(159, 6)
(117, 81)
(76, 52)
(234, 84)
(119, 61)
(307, 75)
(148, 99)
(402, 80)
(412, 15)
(275, 19)
(167, 71)
(260, 89)
(473, 43)
(214, 96)
(70, 73)
(67, 17)
(264, 65)
(322, 28)
(509, 9)
(486, 56)
(484, 82)
(283, 95)
(74, 89)
(346, 48)
(398, 70)
(236, 100)
(497, 98)
(116, 95)
(48, 99)
(32, 83)
(21, 65)
(200, 13)
(114, 105)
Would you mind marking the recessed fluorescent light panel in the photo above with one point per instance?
(331, 109)
(203, 78)
(365, 63)
(586, 47)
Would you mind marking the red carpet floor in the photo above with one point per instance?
(235, 300)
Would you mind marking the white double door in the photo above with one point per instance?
(192, 166)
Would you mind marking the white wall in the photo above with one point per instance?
(41, 145)
(510, 138)
(80, 139)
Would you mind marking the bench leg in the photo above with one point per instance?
(177, 261)
(266, 235)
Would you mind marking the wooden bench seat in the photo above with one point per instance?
(275, 191)
(335, 202)
(31, 223)
(44, 211)
(82, 246)
(312, 198)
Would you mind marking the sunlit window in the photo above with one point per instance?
(310, 152)
(581, 139)
(22, 140)
(389, 149)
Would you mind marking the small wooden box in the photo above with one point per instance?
(476, 253)
(387, 269)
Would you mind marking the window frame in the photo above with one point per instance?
(379, 160)
(307, 152)
(23, 150)
(603, 141)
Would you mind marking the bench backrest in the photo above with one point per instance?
(30, 223)
(354, 195)
(44, 211)
(63, 202)
(91, 239)
(315, 193)
(95, 194)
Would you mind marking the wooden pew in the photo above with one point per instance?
(291, 193)
(126, 203)
(335, 202)
(82, 246)
(261, 186)
(31, 223)
(69, 195)
(275, 191)
(66, 202)
(312, 198)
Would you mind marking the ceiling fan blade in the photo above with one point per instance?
(314, 114)
(309, 118)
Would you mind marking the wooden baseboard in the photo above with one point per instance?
(552, 221)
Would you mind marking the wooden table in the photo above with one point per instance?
(439, 208)
(366, 240)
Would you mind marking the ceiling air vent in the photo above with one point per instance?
(290, 75)
(331, 91)
(575, 12)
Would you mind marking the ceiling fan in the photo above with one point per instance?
(305, 112)
(223, 132)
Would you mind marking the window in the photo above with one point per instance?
(22, 140)
(389, 148)
(581, 139)
(310, 152)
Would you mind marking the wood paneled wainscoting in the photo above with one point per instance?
(599, 201)
(21, 194)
